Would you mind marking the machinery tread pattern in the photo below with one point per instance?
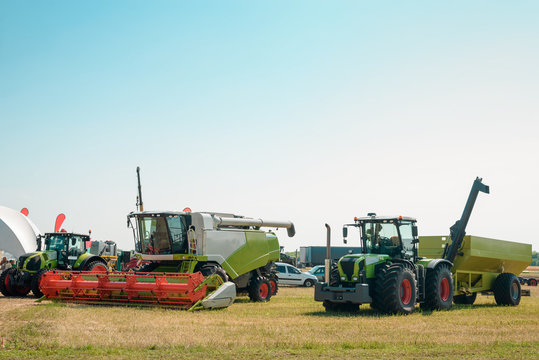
(433, 288)
(5, 288)
(36, 279)
(387, 291)
(507, 289)
(257, 289)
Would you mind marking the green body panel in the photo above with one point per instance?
(260, 248)
(374, 259)
(480, 260)
(46, 262)
(80, 259)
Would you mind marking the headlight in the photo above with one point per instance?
(343, 278)
(355, 278)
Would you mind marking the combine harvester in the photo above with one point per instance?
(393, 274)
(196, 260)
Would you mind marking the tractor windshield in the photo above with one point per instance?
(162, 234)
(381, 237)
(55, 243)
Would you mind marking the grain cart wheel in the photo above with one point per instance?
(274, 282)
(438, 289)
(395, 290)
(308, 283)
(96, 266)
(260, 289)
(5, 287)
(465, 299)
(36, 281)
(532, 282)
(507, 289)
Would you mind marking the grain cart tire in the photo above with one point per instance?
(308, 283)
(96, 266)
(5, 287)
(274, 282)
(507, 289)
(532, 282)
(395, 290)
(438, 289)
(36, 280)
(260, 289)
(465, 299)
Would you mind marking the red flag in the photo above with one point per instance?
(59, 221)
(24, 211)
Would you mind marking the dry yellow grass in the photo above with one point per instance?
(291, 324)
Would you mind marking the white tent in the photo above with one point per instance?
(17, 232)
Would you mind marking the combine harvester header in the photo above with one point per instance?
(195, 260)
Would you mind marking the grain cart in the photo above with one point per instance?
(63, 250)
(389, 274)
(195, 260)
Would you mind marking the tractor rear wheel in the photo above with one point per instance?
(507, 289)
(5, 287)
(465, 299)
(96, 266)
(36, 282)
(274, 282)
(395, 290)
(438, 289)
(260, 289)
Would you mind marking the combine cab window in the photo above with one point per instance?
(154, 235)
(178, 234)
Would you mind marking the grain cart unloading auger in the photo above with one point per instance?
(196, 260)
(391, 276)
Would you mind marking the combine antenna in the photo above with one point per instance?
(139, 197)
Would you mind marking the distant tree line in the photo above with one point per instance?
(535, 259)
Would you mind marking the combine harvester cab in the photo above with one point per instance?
(196, 260)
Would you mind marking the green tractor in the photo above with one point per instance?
(388, 274)
(63, 251)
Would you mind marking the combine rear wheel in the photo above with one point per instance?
(395, 290)
(465, 299)
(260, 289)
(5, 287)
(438, 289)
(36, 281)
(274, 282)
(507, 289)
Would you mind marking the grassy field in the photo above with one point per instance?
(291, 325)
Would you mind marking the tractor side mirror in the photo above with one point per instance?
(344, 234)
(414, 231)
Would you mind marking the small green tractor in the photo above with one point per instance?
(63, 251)
(388, 274)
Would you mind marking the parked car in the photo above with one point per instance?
(319, 271)
(291, 275)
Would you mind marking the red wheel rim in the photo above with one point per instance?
(444, 289)
(99, 268)
(273, 285)
(264, 290)
(533, 282)
(406, 291)
(6, 282)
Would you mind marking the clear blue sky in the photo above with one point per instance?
(312, 111)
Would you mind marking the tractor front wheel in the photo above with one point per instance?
(395, 290)
(36, 282)
(260, 289)
(438, 289)
(507, 289)
(5, 287)
(465, 299)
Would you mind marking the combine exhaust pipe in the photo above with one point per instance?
(224, 221)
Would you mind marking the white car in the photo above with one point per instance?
(291, 275)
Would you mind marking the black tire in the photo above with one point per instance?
(96, 266)
(210, 269)
(274, 282)
(334, 275)
(259, 289)
(532, 282)
(36, 281)
(395, 290)
(507, 289)
(308, 283)
(439, 289)
(5, 289)
(465, 299)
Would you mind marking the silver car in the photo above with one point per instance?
(291, 275)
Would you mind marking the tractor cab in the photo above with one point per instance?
(66, 247)
(393, 236)
(160, 233)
